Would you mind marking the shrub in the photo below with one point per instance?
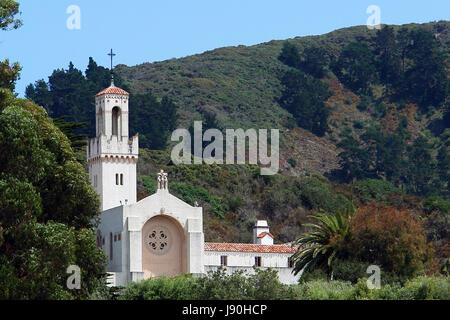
(349, 270)
(234, 203)
(177, 288)
(392, 239)
(313, 274)
(292, 162)
(380, 111)
(436, 204)
(216, 285)
(264, 285)
(363, 105)
(374, 189)
(316, 195)
(324, 290)
(358, 124)
(427, 288)
(190, 193)
(149, 183)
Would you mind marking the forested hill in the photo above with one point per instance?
(327, 93)
(240, 84)
(243, 86)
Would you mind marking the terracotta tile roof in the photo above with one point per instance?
(250, 247)
(112, 90)
(263, 234)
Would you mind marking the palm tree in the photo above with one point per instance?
(319, 247)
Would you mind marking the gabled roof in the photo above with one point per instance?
(112, 90)
(263, 234)
(250, 247)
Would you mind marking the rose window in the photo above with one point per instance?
(158, 240)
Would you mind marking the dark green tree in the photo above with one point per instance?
(52, 226)
(388, 58)
(355, 67)
(40, 94)
(289, 55)
(9, 74)
(70, 93)
(443, 169)
(9, 9)
(209, 121)
(304, 97)
(77, 141)
(387, 152)
(314, 61)
(355, 160)
(154, 120)
(421, 167)
(427, 77)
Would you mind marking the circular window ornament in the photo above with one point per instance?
(158, 239)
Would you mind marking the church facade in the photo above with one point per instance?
(159, 235)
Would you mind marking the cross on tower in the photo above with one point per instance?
(111, 54)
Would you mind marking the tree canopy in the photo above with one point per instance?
(304, 95)
(70, 94)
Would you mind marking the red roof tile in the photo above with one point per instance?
(250, 247)
(263, 234)
(112, 90)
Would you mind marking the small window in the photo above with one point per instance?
(223, 260)
(258, 261)
(115, 238)
(121, 179)
(118, 237)
(117, 179)
(103, 241)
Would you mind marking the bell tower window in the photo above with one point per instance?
(115, 121)
(100, 121)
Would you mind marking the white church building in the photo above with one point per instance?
(159, 235)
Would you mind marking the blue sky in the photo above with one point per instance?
(147, 30)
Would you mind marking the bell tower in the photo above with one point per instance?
(112, 155)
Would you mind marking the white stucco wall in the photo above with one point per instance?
(246, 261)
(285, 275)
(111, 222)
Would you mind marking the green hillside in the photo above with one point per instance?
(240, 84)
(241, 87)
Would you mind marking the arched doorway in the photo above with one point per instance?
(163, 247)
